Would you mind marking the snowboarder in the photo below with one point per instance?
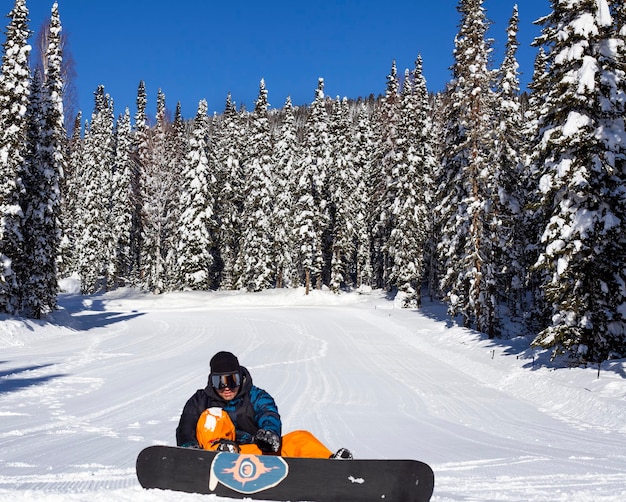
(231, 414)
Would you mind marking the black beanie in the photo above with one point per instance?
(224, 362)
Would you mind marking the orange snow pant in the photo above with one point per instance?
(214, 424)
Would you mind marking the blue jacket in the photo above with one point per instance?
(251, 410)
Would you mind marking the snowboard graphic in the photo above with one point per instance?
(247, 473)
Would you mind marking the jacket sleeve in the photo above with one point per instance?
(186, 430)
(265, 411)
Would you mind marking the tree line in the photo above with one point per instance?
(508, 206)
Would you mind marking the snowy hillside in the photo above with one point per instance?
(82, 394)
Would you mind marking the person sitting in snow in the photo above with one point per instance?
(231, 414)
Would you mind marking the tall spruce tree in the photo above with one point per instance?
(159, 195)
(341, 189)
(197, 199)
(228, 147)
(256, 257)
(122, 201)
(362, 154)
(42, 199)
(466, 207)
(510, 189)
(311, 206)
(69, 201)
(384, 179)
(433, 265)
(14, 99)
(176, 147)
(286, 159)
(94, 239)
(581, 166)
(26, 266)
(407, 236)
(619, 17)
(533, 213)
(140, 148)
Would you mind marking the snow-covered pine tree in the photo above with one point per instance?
(362, 146)
(228, 147)
(434, 268)
(178, 141)
(619, 9)
(466, 206)
(424, 133)
(533, 215)
(122, 201)
(408, 235)
(69, 202)
(140, 148)
(341, 188)
(94, 239)
(159, 195)
(452, 220)
(14, 98)
(26, 269)
(286, 160)
(176, 146)
(152, 267)
(255, 261)
(42, 199)
(197, 199)
(311, 207)
(510, 247)
(384, 178)
(581, 162)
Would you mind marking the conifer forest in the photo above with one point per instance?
(509, 206)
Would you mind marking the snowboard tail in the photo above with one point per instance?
(269, 477)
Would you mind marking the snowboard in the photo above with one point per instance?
(268, 477)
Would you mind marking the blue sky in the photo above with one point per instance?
(202, 49)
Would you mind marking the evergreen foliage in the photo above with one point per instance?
(286, 159)
(509, 194)
(197, 201)
(362, 154)
(580, 165)
(255, 261)
(122, 202)
(94, 236)
(228, 141)
(311, 204)
(466, 208)
(140, 152)
(69, 204)
(341, 193)
(41, 201)
(159, 209)
(509, 206)
(14, 103)
(384, 178)
(409, 209)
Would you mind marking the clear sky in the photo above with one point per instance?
(202, 49)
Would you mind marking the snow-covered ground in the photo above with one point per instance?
(107, 375)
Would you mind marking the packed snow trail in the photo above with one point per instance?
(80, 396)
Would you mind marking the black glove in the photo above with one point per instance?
(267, 441)
(226, 445)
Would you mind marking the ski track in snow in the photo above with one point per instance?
(80, 396)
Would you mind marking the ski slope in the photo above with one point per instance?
(107, 375)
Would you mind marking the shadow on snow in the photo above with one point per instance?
(8, 384)
(516, 346)
(83, 312)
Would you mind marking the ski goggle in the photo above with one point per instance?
(230, 380)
